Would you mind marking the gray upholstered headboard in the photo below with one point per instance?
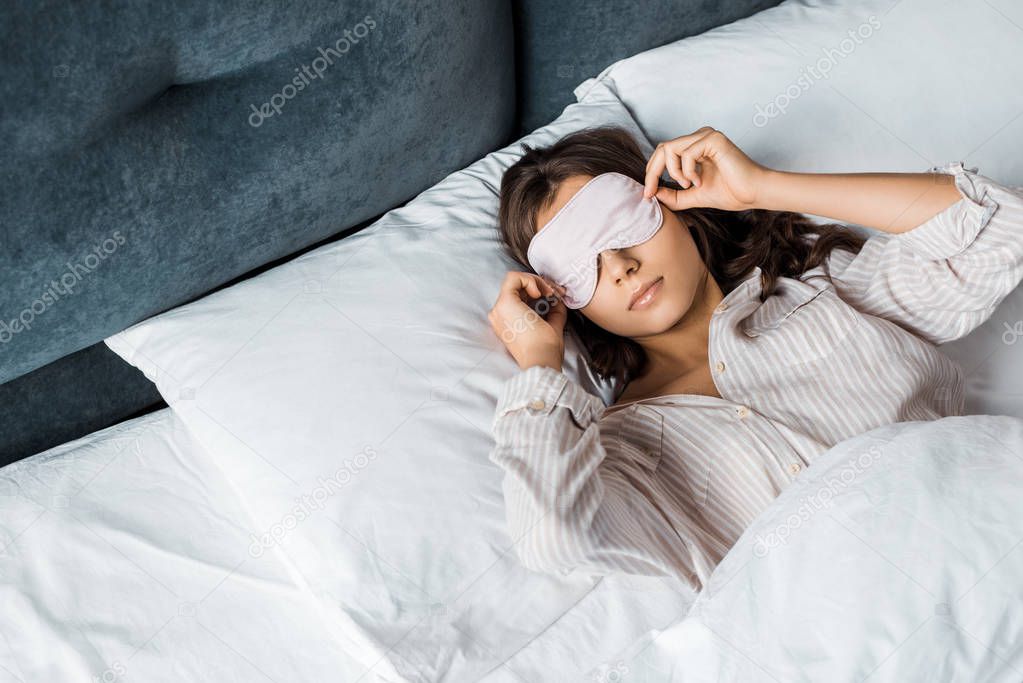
(155, 151)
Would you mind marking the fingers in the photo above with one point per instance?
(666, 156)
(557, 316)
(532, 287)
(677, 200)
(557, 289)
(515, 282)
(706, 147)
(510, 303)
(669, 197)
(687, 160)
(691, 155)
(654, 169)
(674, 168)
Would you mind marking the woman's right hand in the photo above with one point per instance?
(530, 338)
(710, 168)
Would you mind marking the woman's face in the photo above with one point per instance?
(670, 256)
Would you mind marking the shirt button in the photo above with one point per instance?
(720, 367)
(537, 404)
(795, 467)
(722, 308)
(742, 411)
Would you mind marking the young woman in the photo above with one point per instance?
(748, 339)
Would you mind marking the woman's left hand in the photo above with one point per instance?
(711, 169)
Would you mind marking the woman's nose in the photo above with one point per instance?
(614, 263)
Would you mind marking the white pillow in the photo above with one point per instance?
(364, 375)
(916, 84)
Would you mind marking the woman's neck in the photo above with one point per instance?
(683, 347)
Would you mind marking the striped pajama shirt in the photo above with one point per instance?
(664, 486)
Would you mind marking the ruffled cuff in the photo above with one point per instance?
(955, 228)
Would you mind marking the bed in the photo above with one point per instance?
(315, 503)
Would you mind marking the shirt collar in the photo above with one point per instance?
(749, 288)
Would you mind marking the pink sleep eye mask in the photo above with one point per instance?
(608, 212)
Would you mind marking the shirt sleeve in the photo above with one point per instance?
(945, 277)
(567, 506)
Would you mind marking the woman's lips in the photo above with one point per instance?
(648, 295)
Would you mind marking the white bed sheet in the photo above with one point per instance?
(123, 556)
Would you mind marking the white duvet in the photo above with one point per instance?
(897, 557)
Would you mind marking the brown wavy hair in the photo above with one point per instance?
(731, 243)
